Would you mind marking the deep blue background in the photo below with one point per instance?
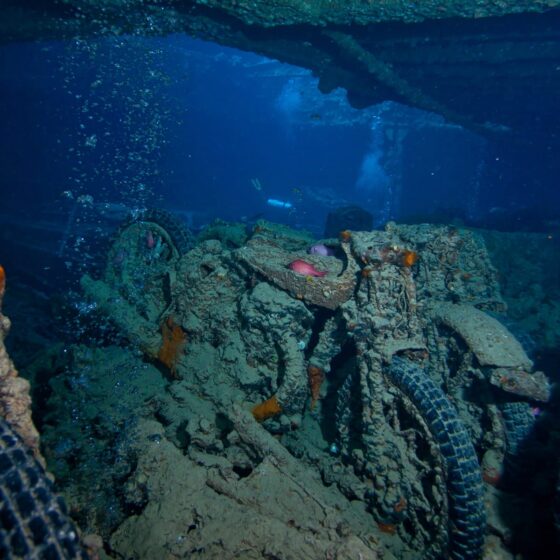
(221, 124)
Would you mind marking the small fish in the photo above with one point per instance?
(150, 241)
(305, 269)
(320, 249)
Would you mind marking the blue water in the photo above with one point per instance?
(187, 125)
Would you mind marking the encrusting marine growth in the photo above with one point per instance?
(409, 258)
(267, 409)
(15, 401)
(316, 376)
(390, 314)
(172, 346)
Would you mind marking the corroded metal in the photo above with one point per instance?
(431, 54)
(490, 341)
(267, 258)
(414, 295)
(534, 386)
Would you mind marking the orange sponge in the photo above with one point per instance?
(267, 409)
(172, 346)
(409, 258)
(315, 376)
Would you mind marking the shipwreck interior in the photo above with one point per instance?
(372, 375)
